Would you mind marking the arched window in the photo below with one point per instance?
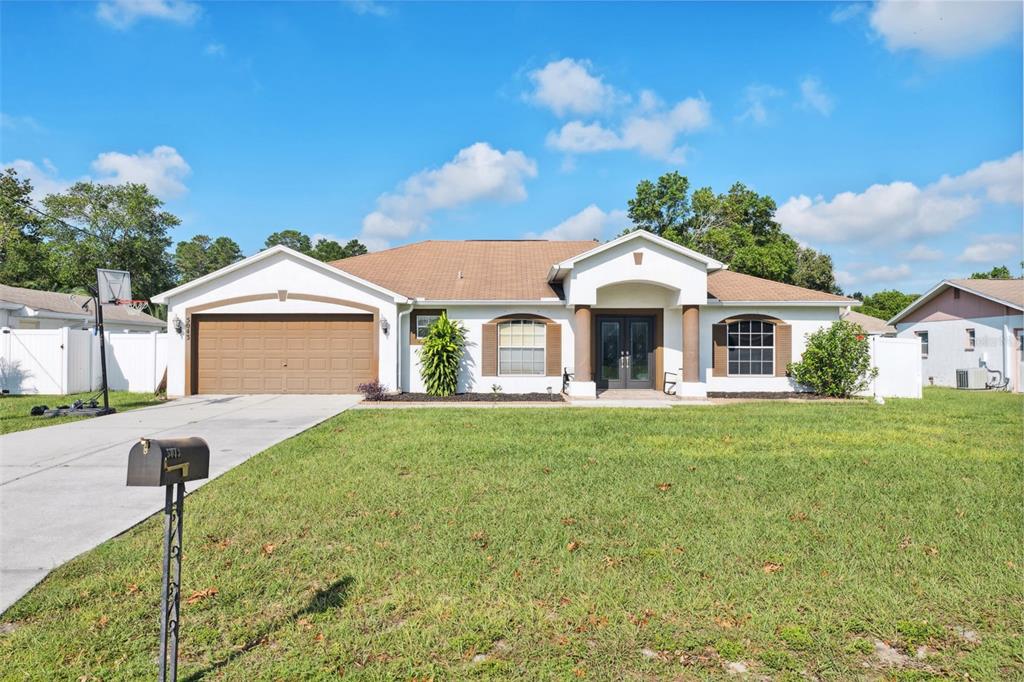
(751, 346)
(521, 348)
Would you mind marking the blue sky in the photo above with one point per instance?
(889, 134)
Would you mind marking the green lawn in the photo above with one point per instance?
(603, 544)
(14, 409)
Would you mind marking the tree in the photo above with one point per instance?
(998, 272)
(293, 239)
(108, 226)
(836, 361)
(885, 304)
(737, 227)
(329, 250)
(662, 208)
(201, 255)
(22, 251)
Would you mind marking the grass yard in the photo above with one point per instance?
(14, 409)
(596, 544)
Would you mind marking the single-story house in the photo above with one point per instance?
(22, 308)
(967, 323)
(638, 312)
(873, 326)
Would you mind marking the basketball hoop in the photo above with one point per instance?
(137, 306)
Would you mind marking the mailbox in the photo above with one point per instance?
(166, 461)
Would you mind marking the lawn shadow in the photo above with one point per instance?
(333, 596)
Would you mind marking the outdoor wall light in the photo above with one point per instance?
(178, 326)
(385, 326)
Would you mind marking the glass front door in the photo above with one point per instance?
(625, 352)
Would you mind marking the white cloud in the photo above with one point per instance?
(45, 180)
(888, 273)
(945, 29)
(1002, 180)
(813, 96)
(215, 50)
(652, 133)
(590, 223)
(901, 210)
(163, 170)
(993, 249)
(755, 97)
(477, 172)
(924, 252)
(19, 123)
(368, 7)
(123, 14)
(846, 12)
(568, 86)
(844, 278)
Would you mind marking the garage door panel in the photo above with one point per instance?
(283, 353)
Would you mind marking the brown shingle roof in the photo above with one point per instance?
(490, 270)
(727, 286)
(1009, 290)
(872, 325)
(71, 304)
(518, 271)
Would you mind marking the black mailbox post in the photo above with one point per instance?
(169, 462)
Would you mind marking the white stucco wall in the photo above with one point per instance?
(947, 347)
(660, 266)
(803, 321)
(470, 379)
(267, 276)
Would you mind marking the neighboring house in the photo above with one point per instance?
(872, 325)
(638, 312)
(32, 309)
(967, 323)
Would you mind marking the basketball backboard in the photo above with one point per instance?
(113, 285)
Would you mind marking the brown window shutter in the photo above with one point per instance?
(554, 350)
(720, 351)
(783, 348)
(489, 350)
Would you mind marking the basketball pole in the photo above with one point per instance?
(103, 349)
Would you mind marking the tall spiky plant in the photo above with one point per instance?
(440, 356)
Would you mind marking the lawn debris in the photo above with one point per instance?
(890, 656)
(664, 487)
(200, 595)
(906, 542)
(573, 545)
(568, 521)
(132, 588)
(268, 548)
(967, 635)
(481, 539)
(798, 516)
(770, 567)
(736, 667)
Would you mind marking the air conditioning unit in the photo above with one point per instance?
(974, 379)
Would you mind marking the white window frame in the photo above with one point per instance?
(426, 329)
(729, 347)
(923, 336)
(533, 325)
(972, 339)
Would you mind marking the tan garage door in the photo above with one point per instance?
(282, 353)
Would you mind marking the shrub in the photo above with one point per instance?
(373, 390)
(441, 355)
(837, 361)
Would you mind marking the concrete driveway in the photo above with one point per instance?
(62, 488)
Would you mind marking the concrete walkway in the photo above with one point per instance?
(62, 488)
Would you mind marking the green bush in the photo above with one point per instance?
(837, 361)
(441, 355)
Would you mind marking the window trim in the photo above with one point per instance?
(414, 317)
(972, 339)
(729, 323)
(923, 336)
(539, 321)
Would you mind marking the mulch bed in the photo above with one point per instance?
(475, 398)
(768, 395)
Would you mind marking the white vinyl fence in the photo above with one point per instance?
(62, 361)
(899, 367)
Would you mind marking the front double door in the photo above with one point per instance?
(625, 352)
